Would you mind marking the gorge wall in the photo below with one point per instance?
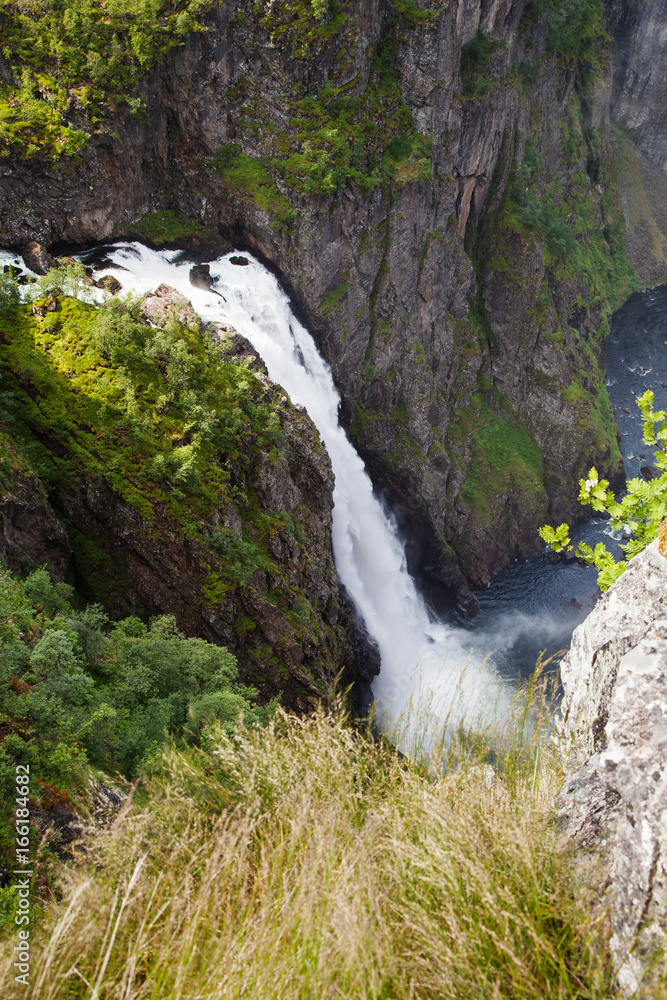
(434, 184)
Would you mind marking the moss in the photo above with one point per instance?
(332, 301)
(251, 180)
(170, 227)
(504, 459)
(85, 54)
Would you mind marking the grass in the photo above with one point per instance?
(312, 860)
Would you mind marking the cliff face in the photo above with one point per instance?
(458, 267)
(639, 116)
(226, 526)
(613, 733)
(639, 101)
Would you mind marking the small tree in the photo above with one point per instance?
(639, 513)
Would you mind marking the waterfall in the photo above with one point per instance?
(423, 661)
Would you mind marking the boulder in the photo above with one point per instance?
(38, 258)
(612, 731)
(109, 283)
(165, 302)
(200, 276)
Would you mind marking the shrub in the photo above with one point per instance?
(638, 514)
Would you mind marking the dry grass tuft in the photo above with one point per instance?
(310, 860)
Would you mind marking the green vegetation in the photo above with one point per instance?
(171, 227)
(475, 64)
(78, 691)
(639, 513)
(252, 181)
(159, 419)
(308, 859)
(504, 459)
(334, 135)
(577, 28)
(71, 59)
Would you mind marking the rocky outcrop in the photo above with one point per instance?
(613, 733)
(464, 346)
(249, 567)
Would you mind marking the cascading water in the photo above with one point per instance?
(422, 660)
(531, 606)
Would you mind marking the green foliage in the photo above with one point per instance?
(252, 181)
(9, 297)
(169, 226)
(333, 137)
(475, 59)
(254, 870)
(639, 513)
(577, 27)
(76, 690)
(504, 458)
(78, 56)
(542, 219)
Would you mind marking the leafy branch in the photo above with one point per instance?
(639, 513)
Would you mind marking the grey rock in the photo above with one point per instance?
(165, 302)
(612, 730)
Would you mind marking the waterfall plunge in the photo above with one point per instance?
(425, 664)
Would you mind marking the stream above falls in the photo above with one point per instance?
(533, 606)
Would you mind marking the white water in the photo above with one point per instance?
(423, 662)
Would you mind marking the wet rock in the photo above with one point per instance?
(200, 276)
(109, 284)
(38, 258)
(239, 261)
(649, 472)
(612, 730)
(165, 302)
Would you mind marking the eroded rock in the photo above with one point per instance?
(30, 533)
(613, 730)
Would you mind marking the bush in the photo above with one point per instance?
(75, 690)
(638, 514)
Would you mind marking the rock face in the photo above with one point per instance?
(30, 533)
(166, 301)
(464, 345)
(274, 602)
(613, 730)
(639, 101)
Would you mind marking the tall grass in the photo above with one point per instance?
(311, 860)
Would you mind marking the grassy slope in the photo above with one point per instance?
(307, 860)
